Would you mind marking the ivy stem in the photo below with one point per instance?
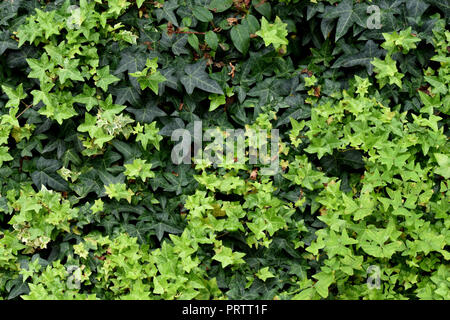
(27, 107)
(189, 32)
(221, 235)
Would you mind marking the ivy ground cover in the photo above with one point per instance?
(120, 174)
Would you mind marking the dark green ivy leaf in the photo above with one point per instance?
(416, 8)
(162, 227)
(6, 42)
(19, 288)
(166, 12)
(202, 14)
(179, 45)
(363, 58)
(148, 113)
(240, 36)
(347, 16)
(45, 174)
(129, 151)
(126, 94)
(220, 5)
(196, 77)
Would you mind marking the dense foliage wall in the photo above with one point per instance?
(92, 205)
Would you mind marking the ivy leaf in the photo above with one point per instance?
(347, 15)
(362, 58)
(444, 165)
(387, 72)
(273, 222)
(220, 5)
(324, 280)
(28, 32)
(149, 77)
(89, 125)
(266, 90)
(47, 22)
(19, 289)
(263, 8)
(240, 36)
(148, 134)
(129, 151)
(216, 101)
(273, 33)
(443, 5)
(202, 14)
(107, 178)
(4, 155)
(126, 94)
(87, 97)
(71, 156)
(117, 6)
(139, 169)
(14, 95)
(148, 113)
(403, 41)
(227, 257)
(370, 189)
(45, 175)
(196, 77)
(439, 87)
(69, 71)
(416, 8)
(56, 54)
(161, 227)
(119, 191)
(39, 68)
(264, 274)
(179, 45)
(194, 42)
(89, 182)
(211, 40)
(175, 182)
(131, 60)
(104, 78)
(6, 42)
(152, 81)
(139, 3)
(166, 12)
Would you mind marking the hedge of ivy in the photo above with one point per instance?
(93, 207)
